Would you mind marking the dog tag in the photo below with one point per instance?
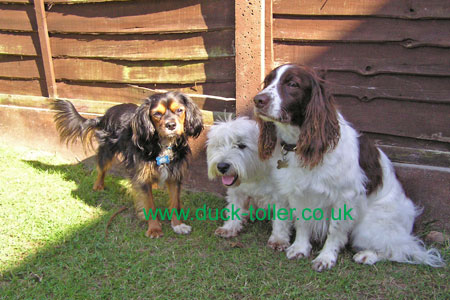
(281, 164)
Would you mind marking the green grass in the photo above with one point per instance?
(53, 245)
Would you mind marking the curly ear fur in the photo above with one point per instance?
(320, 130)
(193, 123)
(142, 126)
(267, 139)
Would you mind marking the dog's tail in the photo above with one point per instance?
(412, 250)
(72, 126)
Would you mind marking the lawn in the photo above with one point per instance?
(53, 245)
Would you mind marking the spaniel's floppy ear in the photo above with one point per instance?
(193, 123)
(267, 139)
(142, 126)
(320, 129)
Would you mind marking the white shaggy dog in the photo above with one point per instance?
(325, 164)
(232, 153)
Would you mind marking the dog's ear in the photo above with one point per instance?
(193, 123)
(141, 125)
(320, 129)
(267, 139)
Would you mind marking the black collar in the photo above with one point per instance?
(288, 147)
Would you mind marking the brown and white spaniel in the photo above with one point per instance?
(325, 166)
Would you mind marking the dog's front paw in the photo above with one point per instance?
(98, 187)
(324, 261)
(296, 251)
(367, 257)
(154, 233)
(182, 229)
(277, 244)
(225, 232)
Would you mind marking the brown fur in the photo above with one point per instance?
(267, 139)
(319, 132)
(369, 161)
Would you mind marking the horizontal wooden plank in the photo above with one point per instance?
(408, 9)
(22, 87)
(412, 119)
(417, 156)
(124, 93)
(19, 43)
(413, 151)
(17, 17)
(411, 33)
(62, 1)
(366, 59)
(20, 67)
(83, 106)
(196, 46)
(219, 70)
(403, 87)
(142, 17)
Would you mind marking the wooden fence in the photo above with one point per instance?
(386, 61)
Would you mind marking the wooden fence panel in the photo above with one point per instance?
(17, 17)
(406, 9)
(365, 59)
(190, 46)
(142, 17)
(387, 63)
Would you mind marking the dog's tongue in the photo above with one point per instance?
(227, 180)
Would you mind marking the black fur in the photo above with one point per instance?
(127, 129)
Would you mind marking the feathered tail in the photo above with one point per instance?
(412, 250)
(71, 126)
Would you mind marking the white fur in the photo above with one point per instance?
(382, 221)
(182, 229)
(255, 185)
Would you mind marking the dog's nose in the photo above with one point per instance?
(261, 100)
(223, 167)
(171, 125)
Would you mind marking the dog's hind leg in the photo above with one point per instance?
(178, 226)
(104, 162)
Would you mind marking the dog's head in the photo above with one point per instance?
(294, 95)
(169, 115)
(232, 151)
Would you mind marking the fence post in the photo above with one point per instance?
(268, 38)
(44, 42)
(250, 46)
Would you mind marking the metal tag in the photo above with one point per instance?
(281, 164)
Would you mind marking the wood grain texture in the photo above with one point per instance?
(22, 87)
(34, 103)
(196, 46)
(20, 67)
(17, 17)
(18, 43)
(411, 33)
(403, 87)
(123, 93)
(45, 50)
(366, 59)
(413, 119)
(142, 17)
(407, 9)
(220, 70)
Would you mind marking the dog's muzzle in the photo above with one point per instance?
(227, 180)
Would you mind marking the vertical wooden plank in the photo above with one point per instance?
(268, 64)
(46, 53)
(249, 52)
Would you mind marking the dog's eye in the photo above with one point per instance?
(293, 84)
(157, 114)
(179, 111)
(242, 146)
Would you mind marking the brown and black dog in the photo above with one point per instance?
(151, 140)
